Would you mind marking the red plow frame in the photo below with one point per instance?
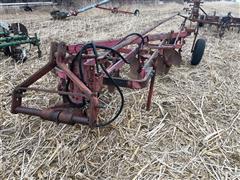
(84, 69)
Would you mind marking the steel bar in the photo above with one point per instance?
(81, 10)
(130, 40)
(50, 91)
(13, 38)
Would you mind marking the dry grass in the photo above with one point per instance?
(191, 132)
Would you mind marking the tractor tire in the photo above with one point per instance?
(198, 51)
(136, 12)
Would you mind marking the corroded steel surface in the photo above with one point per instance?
(84, 70)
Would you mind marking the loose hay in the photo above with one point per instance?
(191, 132)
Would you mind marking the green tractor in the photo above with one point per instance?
(12, 36)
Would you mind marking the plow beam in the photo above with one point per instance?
(87, 71)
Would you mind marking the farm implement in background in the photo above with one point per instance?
(116, 10)
(12, 36)
(222, 23)
(91, 75)
(27, 6)
(64, 14)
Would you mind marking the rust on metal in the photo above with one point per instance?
(222, 23)
(85, 70)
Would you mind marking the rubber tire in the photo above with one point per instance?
(136, 12)
(198, 51)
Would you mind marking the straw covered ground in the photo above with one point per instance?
(191, 132)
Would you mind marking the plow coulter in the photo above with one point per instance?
(199, 15)
(91, 74)
(12, 37)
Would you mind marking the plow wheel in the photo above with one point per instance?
(17, 53)
(19, 29)
(115, 10)
(136, 12)
(198, 51)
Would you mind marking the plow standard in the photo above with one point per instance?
(88, 72)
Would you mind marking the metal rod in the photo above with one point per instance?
(130, 40)
(150, 92)
(51, 91)
(55, 116)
